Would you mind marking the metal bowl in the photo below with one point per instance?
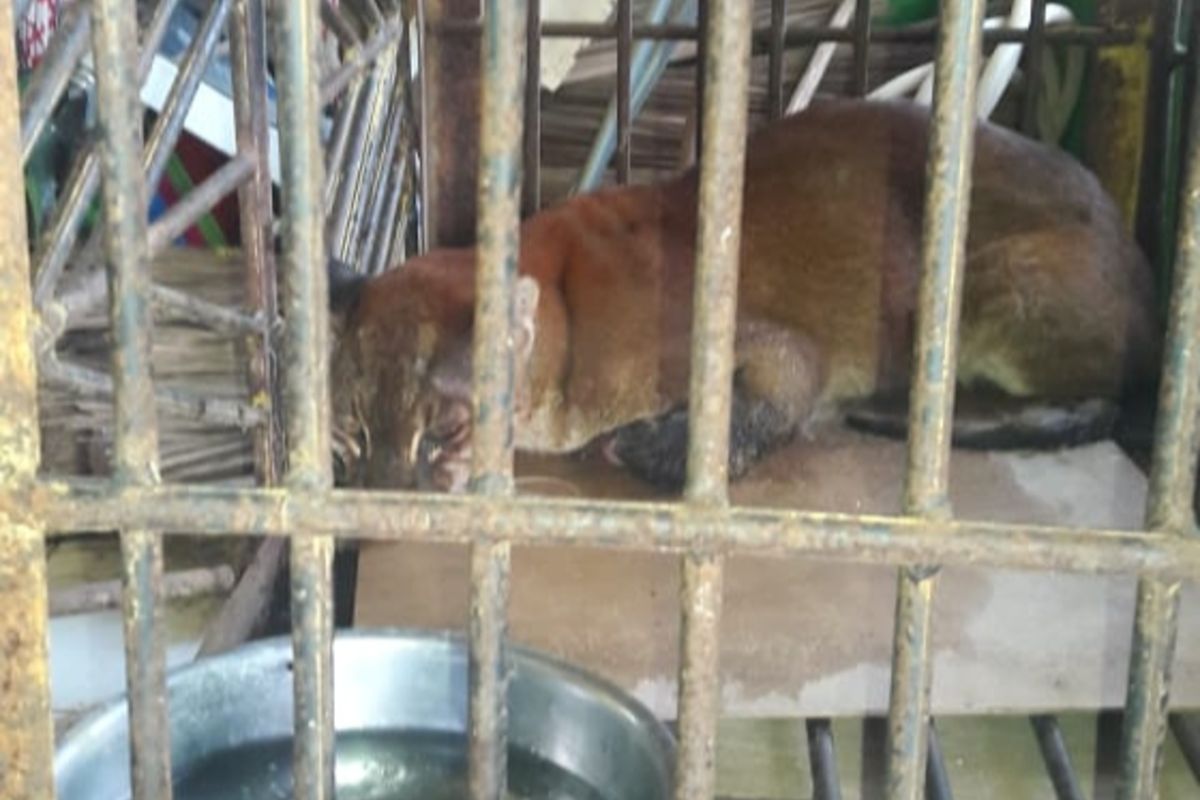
(400, 712)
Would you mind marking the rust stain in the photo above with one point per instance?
(26, 729)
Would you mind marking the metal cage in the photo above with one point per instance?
(702, 528)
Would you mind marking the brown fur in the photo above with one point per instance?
(1056, 302)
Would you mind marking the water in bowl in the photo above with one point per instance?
(376, 766)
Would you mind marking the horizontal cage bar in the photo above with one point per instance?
(81, 506)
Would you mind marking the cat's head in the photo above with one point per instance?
(401, 370)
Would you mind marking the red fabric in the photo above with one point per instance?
(35, 29)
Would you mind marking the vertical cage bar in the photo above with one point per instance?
(1170, 502)
(1148, 694)
(499, 203)
(136, 462)
(26, 730)
(862, 47)
(624, 59)
(726, 81)
(532, 184)
(951, 147)
(1034, 57)
(306, 385)
(248, 57)
(699, 675)
(718, 242)
(775, 64)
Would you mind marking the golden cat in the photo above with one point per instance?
(1057, 308)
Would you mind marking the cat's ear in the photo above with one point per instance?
(525, 318)
(451, 374)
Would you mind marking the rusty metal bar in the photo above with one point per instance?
(908, 710)
(723, 116)
(775, 66)
(665, 527)
(136, 451)
(624, 87)
(62, 56)
(1170, 502)
(231, 175)
(727, 81)
(1056, 757)
(1092, 35)
(54, 247)
(951, 148)
(306, 385)
(532, 183)
(822, 760)
(248, 65)
(699, 674)
(862, 44)
(26, 727)
(1035, 50)
(499, 204)
(336, 82)
(1146, 704)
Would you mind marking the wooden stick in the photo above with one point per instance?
(107, 594)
